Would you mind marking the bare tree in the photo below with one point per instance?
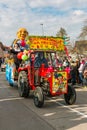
(83, 34)
(61, 32)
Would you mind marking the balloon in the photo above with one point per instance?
(19, 55)
(24, 57)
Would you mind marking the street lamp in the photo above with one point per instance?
(42, 29)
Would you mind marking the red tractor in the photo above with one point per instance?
(42, 75)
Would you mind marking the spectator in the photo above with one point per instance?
(85, 75)
(0, 62)
(73, 72)
(80, 69)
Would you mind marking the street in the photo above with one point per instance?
(18, 113)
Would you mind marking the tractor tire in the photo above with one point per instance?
(38, 97)
(23, 86)
(70, 96)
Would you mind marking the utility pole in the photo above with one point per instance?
(42, 29)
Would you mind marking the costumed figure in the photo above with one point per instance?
(19, 45)
(22, 33)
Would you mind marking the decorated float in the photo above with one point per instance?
(34, 43)
(39, 70)
(42, 73)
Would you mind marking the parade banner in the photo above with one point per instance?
(46, 43)
(59, 82)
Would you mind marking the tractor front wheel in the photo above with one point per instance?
(70, 96)
(38, 97)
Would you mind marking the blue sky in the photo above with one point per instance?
(68, 14)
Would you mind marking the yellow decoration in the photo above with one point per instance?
(44, 43)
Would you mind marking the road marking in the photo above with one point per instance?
(49, 114)
(71, 109)
(79, 113)
(10, 99)
(3, 87)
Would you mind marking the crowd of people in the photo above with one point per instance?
(77, 69)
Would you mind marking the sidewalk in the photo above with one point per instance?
(79, 86)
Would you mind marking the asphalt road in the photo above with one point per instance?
(17, 113)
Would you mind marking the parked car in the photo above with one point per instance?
(3, 67)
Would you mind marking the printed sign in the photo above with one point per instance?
(59, 82)
(45, 43)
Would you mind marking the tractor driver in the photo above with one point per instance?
(43, 59)
(39, 60)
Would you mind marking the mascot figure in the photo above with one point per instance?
(19, 45)
(18, 53)
(22, 33)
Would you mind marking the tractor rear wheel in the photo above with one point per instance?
(23, 86)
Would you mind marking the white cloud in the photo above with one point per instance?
(44, 3)
(78, 12)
